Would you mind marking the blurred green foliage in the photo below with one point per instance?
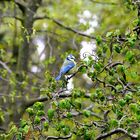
(35, 106)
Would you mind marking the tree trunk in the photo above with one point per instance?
(17, 104)
(23, 54)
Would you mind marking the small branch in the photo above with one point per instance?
(17, 18)
(105, 3)
(104, 68)
(136, 28)
(31, 102)
(50, 47)
(110, 65)
(106, 115)
(60, 137)
(6, 80)
(115, 131)
(76, 72)
(21, 4)
(66, 27)
(75, 114)
(90, 125)
(125, 86)
(115, 64)
(78, 113)
(98, 125)
(106, 85)
(2, 129)
(6, 67)
(60, 95)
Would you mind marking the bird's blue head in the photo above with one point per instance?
(70, 57)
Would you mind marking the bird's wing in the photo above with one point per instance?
(66, 68)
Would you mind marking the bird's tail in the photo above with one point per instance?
(58, 77)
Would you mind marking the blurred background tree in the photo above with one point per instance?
(100, 100)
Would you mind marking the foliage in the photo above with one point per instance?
(34, 105)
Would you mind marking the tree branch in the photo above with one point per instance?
(115, 131)
(17, 18)
(31, 102)
(105, 3)
(22, 5)
(76, 72)
(66, 27)
(60, 137)
(90, 125)
(60, 95)
(6, 67)
(106, 85)
(115, 64)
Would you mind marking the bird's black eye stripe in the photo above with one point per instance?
(67, 58)
(70, 58)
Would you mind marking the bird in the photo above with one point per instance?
(67, 66)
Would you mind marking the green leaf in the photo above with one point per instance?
(122, 102)
(134, 74)
(82, 69)
(133, 107)
(98, 39)
(117, 32)
(88, 135)
(121, 68)
(37, 120)
(128, 97)
(138, 117)
(118, 49)
(30, 111)
(51, 113)
(40, 113)
(105, 48)
(129, 56)
(119, 87)
(62, 104)
(100, 94)
(26, 129)
(113, 123)
(92, 75)
(66, 130)
(46, 125)
(38, 106)
(98, 66)
(77, 104)
(87, 113)
(23, 123)
(69, 115)
(13, 129)
(78, 93)
(109, 34)
(112, 71)
(93, 96)
(131, 42)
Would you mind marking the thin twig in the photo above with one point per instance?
(7, 16)
(76, 72)
(59, 137)
(6, 67)
(66, 27)
(104, 3)
(115, 131)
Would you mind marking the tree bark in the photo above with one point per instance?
(23, 54)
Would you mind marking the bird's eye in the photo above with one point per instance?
(73, 58)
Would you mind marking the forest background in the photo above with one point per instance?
(100, 100)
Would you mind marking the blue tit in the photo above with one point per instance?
(67, 66)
